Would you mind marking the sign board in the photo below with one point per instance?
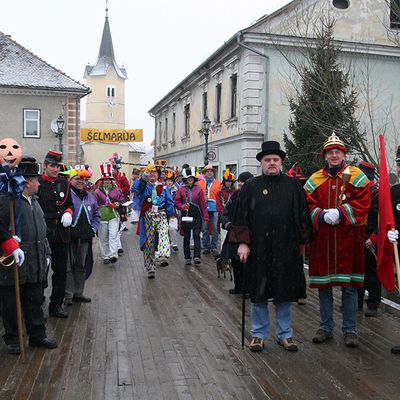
(213, 154)
(111, 135)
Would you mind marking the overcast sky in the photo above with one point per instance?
(159, 42)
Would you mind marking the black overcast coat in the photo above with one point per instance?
(273, 218)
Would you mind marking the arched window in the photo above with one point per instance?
(341, 4)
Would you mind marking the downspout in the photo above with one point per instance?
(241, 44)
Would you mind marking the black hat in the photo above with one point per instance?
(368, 169)
(244, 176)
(28, 167)
(53, 157)
(398, 153)
(271, 147)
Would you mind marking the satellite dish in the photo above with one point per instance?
(53, 126)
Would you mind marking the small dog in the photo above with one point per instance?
(224, 266)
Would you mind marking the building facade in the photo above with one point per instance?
(33, 94)
(243, 87)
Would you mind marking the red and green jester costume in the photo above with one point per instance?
(337, 251)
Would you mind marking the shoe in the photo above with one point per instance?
(350, 339)
(106, 261)
(206, 252)
(163, 264)
(301, 301)
(235, 291)
(371, 312)
(13, 348)
(197, 260)
(287, 344)
(125, 229)
(45, 343)
(256, 344)
(322, 336)
(68, 302)
(121, 251)
(58, 312)
(82, 299)
(175, 248)
(188, 261)
(113, 260)
(395, 349)
(151, 274)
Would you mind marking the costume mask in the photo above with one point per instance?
(10, 152)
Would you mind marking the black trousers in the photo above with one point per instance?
(31, 302)
(186, 243)
(371, 283)
(59, 260)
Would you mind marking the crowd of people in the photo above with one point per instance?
(260, 225)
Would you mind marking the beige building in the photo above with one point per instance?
(244, 85)
(33, 94)
(105, 107)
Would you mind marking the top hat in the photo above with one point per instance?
(53, 157)
(271, 147)
(398, 153)
(29, 168)
(333, 142)
(368, 169)
(106, 170)
(189, 173)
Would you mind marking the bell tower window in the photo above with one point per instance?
(110, 91)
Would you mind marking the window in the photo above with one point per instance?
(187, 120)
(341, 4)
(232, 168)
(173, 127)
(166, 131)
(111, 92)
(395, 14)
(218, 90)
(159, 133)
(31, 123)
(205, 105)
(233, 95)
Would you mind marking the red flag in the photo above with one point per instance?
(385, 266)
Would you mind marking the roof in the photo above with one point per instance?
(105, 59)
(20, 68)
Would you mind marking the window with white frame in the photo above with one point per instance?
(111, 91)
(31, 123)
(218, 99)
(166, 131)
(395, 14)
(187, 120)
(173, 126)
(233, 95)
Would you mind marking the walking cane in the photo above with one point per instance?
(244, 289)
(16, 281)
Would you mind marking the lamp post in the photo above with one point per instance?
(60, 130)
(206, 132)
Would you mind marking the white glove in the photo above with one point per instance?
(48, 261)
(17, 239)
(66, 220)
(332, 216)
(393, 236)
(19, 256)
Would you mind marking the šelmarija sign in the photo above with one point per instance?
(111, 135)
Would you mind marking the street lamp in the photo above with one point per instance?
(206, 132)
(60, 130)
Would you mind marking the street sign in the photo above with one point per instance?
(213, 154)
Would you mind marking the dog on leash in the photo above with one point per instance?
(224, 266)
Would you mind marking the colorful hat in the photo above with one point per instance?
(398, 153)
(170, 175)
(271, 147)
(106, 170)
(368, 169)
(228, 175)
(28, 167)
(150, 167)
(53, 157)
(189, 173)
(333, 142)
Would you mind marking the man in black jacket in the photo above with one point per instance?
(31, 271)
(55, 200)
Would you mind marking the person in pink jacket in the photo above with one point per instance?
(191, 201)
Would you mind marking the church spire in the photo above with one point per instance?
(105, 59)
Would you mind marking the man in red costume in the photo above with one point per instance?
(339, 212)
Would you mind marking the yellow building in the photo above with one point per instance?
(105, 106)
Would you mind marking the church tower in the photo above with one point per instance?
(105, 105)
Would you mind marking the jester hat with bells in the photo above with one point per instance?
(228, 176)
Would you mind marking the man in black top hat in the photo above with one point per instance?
(371, 281)
(32, 271)
(56, 202)
(272, 221)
